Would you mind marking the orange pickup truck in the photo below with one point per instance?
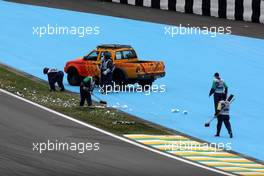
(128, 68)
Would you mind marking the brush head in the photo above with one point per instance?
(230, 98)
(103, 102)
(207, 124)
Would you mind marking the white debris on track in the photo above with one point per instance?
(42, 99)
(121, 122)
(118, 105)
(19, 94)
(124, 106)
(55, 101)
(175, 110)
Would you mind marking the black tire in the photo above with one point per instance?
(73, 77)
(119, 77)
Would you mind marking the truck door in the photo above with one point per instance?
(92, 62)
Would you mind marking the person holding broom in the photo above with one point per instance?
(222, 115)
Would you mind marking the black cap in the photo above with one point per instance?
(216, 74)
(107, 54)
(45, 70)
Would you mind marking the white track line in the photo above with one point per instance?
(116, 136)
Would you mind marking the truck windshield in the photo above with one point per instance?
(92, 56)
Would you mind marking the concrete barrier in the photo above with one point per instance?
(244, 10)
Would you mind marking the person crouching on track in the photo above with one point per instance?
(222, 115)
(54, 76)
(86, 89)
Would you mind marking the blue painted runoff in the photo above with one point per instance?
(191, 61)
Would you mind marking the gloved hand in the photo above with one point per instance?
(211, 92)
(216, 113)
(105, 72)
(85, 88)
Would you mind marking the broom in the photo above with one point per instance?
(230, 99)
(100, 101)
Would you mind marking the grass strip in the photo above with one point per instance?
(37, 90)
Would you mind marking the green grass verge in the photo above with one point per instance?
(67, 103)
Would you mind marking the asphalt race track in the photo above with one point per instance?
(21, 124)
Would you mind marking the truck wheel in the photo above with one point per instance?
(119, 77)
(73, 78)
